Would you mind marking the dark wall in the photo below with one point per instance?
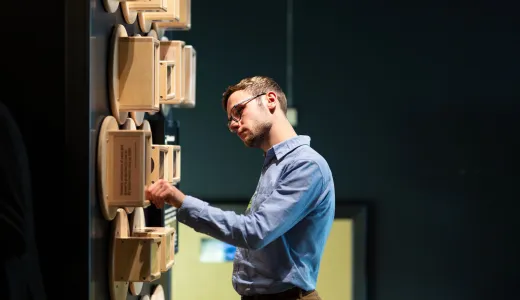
(44, 119)
(414, 105)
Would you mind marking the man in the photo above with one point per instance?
(281, 237)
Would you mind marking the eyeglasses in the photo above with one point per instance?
(236, 111)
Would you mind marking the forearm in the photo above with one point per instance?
(227, 226)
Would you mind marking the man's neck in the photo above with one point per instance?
(281, 131)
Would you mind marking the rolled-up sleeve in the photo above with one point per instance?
(297, 191)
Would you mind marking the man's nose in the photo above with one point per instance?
(234, 126)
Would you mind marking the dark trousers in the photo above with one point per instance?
(292, 294)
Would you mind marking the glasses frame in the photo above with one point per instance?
(241, 103)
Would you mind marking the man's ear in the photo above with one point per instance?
(271, 100)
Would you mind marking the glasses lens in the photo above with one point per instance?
(236, 112)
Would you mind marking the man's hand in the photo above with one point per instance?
(162, 192)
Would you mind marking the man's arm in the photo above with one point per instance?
(295, 195)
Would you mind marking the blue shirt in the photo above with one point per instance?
(281, 237)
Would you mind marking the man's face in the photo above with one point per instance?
(253, 118)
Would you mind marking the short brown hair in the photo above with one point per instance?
(256, 85)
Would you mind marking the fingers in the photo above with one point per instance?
(158, 193)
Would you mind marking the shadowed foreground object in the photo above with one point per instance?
(20, 271)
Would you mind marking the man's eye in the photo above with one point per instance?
(238, 111)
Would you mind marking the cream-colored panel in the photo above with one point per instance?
(192, 279)
(335, 277)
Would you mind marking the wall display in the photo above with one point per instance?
(165, 160)
(147, 73)
(167, 235)
(183, 24)
(129, 161)
(132, 7)
(171, 67)
(167, 80)
(129, 125)
(133, 84)
(172, 14)
(113, 75)
(190, 76)
(166, 163)
(170, 221)
(133, 258)
(178, 82)
(140, 115)
(137, 221)
(173, 164)
(159, 167)
(109, 124)
(166, 252)
(123, 167)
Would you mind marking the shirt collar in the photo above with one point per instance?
(281, 149)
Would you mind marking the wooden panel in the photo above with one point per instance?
(173, 163)
(166, 81)
(184, 22)
(158, 162)
(172, 14)
(167, 236)
(173, 51)
(137, 259)
(147, 5)
(126, 167)
(189, 77)
(138, 63)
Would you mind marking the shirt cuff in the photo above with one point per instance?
(190, 210)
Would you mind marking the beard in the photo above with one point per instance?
(258, 134)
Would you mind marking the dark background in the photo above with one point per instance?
(413, 103)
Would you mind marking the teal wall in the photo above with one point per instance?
(414, 106)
